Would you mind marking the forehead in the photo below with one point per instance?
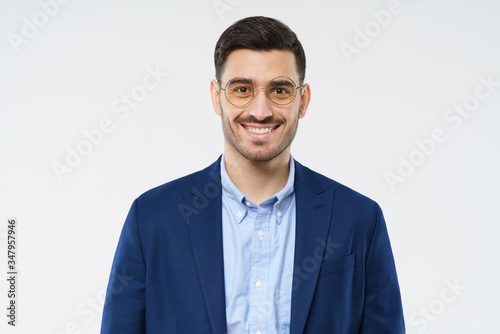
(260, 66)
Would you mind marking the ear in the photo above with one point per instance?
(215, 94)
(305, 98)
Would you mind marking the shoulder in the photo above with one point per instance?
(352, 212)
(346, 195)
(174, 190)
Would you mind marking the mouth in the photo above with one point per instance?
(260, 130)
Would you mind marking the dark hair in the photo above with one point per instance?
(262, 34)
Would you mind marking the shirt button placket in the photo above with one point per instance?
(259, 272)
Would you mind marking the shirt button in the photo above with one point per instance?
(261, 234)
(248, 203)
(279, 214)
(239, 214)
(258, 284)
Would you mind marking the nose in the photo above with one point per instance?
(259, 108)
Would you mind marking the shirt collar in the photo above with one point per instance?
(281, 199)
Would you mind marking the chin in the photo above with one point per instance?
(260, 155)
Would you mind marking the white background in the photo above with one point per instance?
(366, 113)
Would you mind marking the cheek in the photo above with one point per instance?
(292, 115)
(236, 115)
(230, 117)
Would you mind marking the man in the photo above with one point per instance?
(256, 242)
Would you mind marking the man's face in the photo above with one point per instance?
(260, 130)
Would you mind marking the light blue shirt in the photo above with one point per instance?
(259, 244)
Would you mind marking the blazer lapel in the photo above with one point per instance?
(205, 233)
(313, 214)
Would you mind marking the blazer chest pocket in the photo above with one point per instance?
(336, 265)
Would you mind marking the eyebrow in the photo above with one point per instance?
(241, 81)
(281, 83)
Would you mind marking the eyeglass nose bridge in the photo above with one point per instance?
(264, 89)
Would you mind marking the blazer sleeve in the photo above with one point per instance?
(382, 311)
(124, 304)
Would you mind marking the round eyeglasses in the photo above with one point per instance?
(240, 91)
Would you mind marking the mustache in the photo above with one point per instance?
(252, 119)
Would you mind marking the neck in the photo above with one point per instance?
(258, 180)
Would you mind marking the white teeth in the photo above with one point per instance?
(260, 130)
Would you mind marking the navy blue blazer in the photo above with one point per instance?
(168, 271)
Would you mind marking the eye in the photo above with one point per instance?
(242, 90)
(281, 90)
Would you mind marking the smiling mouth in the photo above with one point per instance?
(260, 131)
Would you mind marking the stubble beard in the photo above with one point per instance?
(256, 152)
